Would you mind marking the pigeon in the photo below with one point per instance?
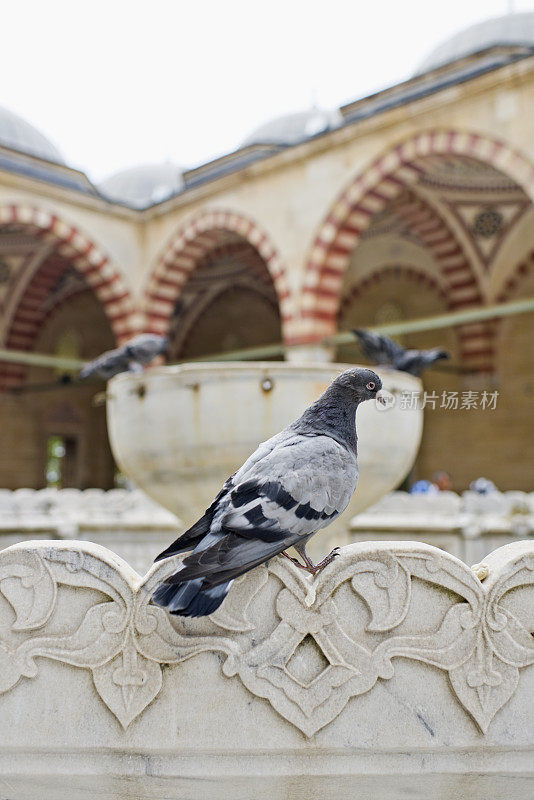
(293, 485)
(131, 357)
(144, 348)
(383, 351)
(107, 365)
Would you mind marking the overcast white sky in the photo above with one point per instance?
(116, 83)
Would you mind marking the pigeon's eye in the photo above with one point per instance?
(370, 385)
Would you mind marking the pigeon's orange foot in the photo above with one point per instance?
(309, 566)
(326, 561)
(294, 561)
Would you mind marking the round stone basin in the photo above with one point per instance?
(180, 431)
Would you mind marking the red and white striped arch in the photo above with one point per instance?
(477, 340)
(459, 286)
(438, 238)
(190, 245)
(370, 193)
(69, 243)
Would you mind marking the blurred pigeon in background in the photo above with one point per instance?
(144, 348)
(383, 351)
(131, 357)
(293, 485)
(107, 365)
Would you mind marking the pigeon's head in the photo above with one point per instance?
(360, 384)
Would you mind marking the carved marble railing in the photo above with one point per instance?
(397, 672)
(467, 525)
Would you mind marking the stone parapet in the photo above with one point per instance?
(467, 525)
(65, 509)
(126, 521)
(395, 673)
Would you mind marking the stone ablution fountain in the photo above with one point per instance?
(397, 672)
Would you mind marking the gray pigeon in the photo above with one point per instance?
(293, 485)
(107, 365)
(131, 357)
(383, 351)
(144, 348)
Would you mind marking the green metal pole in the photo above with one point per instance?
(40, 359)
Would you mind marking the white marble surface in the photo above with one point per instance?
(396, 673)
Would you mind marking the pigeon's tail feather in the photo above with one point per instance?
(191, 598)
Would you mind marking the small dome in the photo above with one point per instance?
(512, 29)
(18, 134)
(294, 128)
(144, 185)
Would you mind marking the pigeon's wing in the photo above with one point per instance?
(299, 486)
(379, 349)
(416, 361)
(106, 366)
(194, 535)
(145, 347)
(230, 555)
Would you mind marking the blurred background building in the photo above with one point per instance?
(413, 202)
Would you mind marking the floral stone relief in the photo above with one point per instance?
(288, 638)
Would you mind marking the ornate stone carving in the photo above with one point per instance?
(291, 640)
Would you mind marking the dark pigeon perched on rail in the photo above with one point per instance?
(131, 357)
(293, 485)
(383, 351)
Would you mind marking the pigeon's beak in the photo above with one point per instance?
(380, 397)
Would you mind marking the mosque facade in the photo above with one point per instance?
(414, 202)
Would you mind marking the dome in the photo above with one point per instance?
(18, 134)
(144, 185)
(294, 128)
(512, 29)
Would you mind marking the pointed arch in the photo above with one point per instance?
(190, 245)
(419, 277)
(62, 244)
(368, 194)
(71, 244)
